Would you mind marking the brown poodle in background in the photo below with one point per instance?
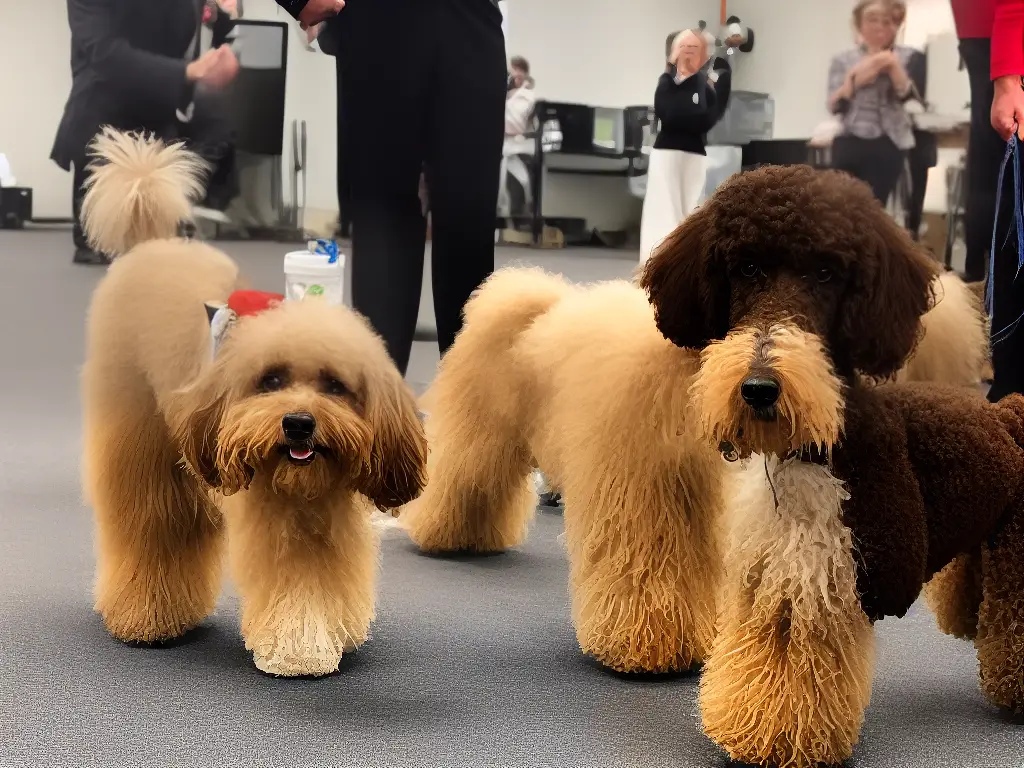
(847, 497)
(580, 382)
(289, 432)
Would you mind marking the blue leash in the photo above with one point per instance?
(1012, 154)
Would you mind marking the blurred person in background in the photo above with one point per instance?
(688, 102)
(520, 99)
(868, 87)
(925, 154)
(520, 103)
(996, 27)
(444, 111)
(131, 68)
(991, 48)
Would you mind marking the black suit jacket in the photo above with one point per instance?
(128, 60)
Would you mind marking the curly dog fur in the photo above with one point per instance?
(528, 382)
(802, 295)
(187, 455)
(580, 382)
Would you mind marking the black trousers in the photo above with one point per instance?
(79, 175)
(878, 162)
(344, 187)
(984, 153)
(920, 159)
(423, 84)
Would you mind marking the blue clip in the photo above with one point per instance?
(1012, 154)
(327, 248)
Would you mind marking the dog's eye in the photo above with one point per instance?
(271, 381)
(749, 269)
(824, 275)
(334, 387)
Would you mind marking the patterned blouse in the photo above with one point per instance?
(875, 110)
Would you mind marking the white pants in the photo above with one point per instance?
(675, 184)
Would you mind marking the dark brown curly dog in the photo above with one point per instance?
(804, 295)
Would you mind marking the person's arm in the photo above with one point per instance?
(223, 27)
(722, 86)
(294, 7)
(840, 87)
(519, 109)
(1008, 67)
(1008, 39)
(902, 84)
(310, 12)
(137, 74)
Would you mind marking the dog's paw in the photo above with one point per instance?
(288, 665)
(310, 650)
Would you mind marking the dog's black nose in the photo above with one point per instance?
(298, 427)
(758, 392)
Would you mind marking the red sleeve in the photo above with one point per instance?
(1008, 38)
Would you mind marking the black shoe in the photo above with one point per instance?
(88, 256)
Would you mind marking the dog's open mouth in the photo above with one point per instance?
(301, 454)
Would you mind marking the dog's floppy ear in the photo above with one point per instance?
(195, 417)
(890, 289)
(397, 467)
(685, 284)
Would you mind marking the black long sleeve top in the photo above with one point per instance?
(688, 109)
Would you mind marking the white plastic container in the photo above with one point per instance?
(312, 274)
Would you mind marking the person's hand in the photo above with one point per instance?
(885, 61)
(312, 33)
(215, 68)
(317, 11)
(867, 70)
(230, 7)
(1008, 106)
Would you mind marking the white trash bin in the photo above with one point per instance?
(310, 273)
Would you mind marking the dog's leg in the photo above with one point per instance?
(954, 594)
(644, 562)
(307, 579)
(479, 497)
(158, 535)
(1000, 638)
(789, 676)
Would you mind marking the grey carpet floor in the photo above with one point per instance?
(472, 663)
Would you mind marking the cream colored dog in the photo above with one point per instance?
(288, 434)
(580, 382)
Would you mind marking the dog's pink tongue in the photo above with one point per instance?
(298, 455)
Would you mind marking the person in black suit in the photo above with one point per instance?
(422, 84)
(131, 70)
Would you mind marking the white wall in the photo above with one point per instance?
(606, 53)
(794, 41)
(35, 78)
(600, 52)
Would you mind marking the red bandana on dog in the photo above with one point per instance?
(240, 304)
(244, 303)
